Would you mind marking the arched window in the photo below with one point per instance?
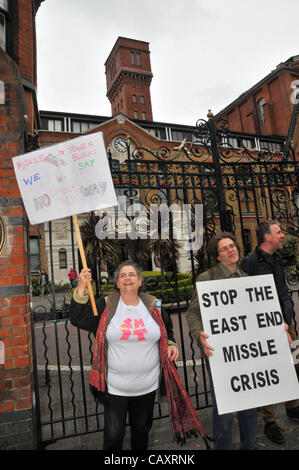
(261, 104)
(3, 12)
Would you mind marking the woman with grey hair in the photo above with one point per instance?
(133, 359)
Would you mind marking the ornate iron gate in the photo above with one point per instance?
(237, 186)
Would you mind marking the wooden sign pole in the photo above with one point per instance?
(83, 258)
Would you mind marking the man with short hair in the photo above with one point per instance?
(266, 260)
(224, 249)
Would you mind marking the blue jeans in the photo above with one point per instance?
(223, 424)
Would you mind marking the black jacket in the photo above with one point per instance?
(258, 262)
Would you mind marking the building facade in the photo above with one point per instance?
(267, 107)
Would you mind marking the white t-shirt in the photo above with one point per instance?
(133, 351)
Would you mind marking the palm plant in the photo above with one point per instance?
(105, 251)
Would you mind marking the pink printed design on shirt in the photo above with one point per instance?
(140, 334)
(139, 323)
(125, 335)
(136, 331)
(127, 323)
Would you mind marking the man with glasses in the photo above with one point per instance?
(266, 260)
(224, 249)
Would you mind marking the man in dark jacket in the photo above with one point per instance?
(266, 260)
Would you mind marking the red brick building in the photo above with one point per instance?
(18, 121)
(128, 77)
(267, 107)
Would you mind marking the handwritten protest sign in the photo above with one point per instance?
(252, 364)
(65, 179)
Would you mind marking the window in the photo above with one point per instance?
(140, 82)
(76, 127)
(142, 99)
(2, 92)
(123, 199)
(132, 58)
(134, 99)
(248, 143)
(177, 136)
(247, 241)
(135, 114)
(61, 231)
(114, 166)
(244, 175)
(62, 259)
(275, 177)
(229, 142)
(272, 146)
(138, 59)
(112, 69)
(82, 126)
(143, 116)
(35, 265)
(160, 133)
(247, 204)
(55, 125)
(211, 201)
(4, 4)
(2, 31)
(261, 103)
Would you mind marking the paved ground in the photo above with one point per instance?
(161, 439)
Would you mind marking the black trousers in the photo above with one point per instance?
(140, 409)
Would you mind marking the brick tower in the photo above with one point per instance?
(128, 77)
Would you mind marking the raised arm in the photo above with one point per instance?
(81, 314)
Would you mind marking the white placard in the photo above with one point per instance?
(252, 364)
(65, 179)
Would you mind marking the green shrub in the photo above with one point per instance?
(289, 252)
(168, 294)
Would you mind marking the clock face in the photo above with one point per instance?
(120, 144)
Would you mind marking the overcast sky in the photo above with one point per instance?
(204, 53)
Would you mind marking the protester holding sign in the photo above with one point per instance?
(224, 249)
(134, 344)
(266, 260)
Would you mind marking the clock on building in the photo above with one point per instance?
(120, 144)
